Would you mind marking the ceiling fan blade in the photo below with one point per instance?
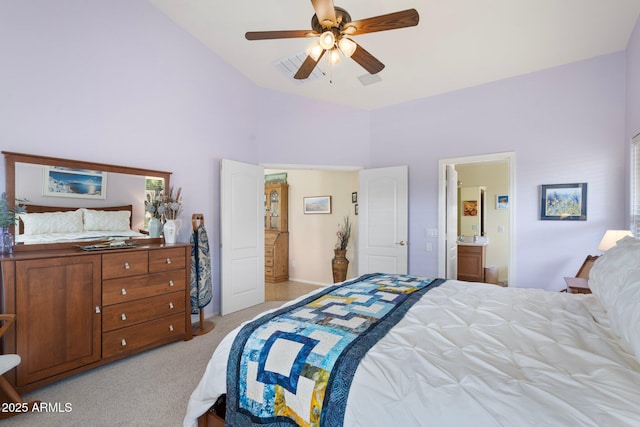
(325, 11)
(366, 60)
(307, 67)
(391, 21)
(287, 34)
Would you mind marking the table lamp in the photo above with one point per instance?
(611, 237)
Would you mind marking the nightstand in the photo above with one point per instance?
(577, 285)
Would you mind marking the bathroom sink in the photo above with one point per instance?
(469, 241)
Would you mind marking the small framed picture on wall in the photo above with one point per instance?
(317, 205)
(563, 202)
(502, 201)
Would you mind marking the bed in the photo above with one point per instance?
(467, 354)
(58, 224)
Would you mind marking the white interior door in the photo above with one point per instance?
(452, 222)
(383, 211)
(241, 235)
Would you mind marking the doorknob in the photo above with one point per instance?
(401, 243)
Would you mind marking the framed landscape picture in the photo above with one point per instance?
(317, 205)
(78, 183)
(563, 202)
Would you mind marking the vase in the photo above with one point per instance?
(155, 227)
(171, 228)
(339, 265)
(6, 241)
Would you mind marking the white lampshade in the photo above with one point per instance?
(327, 40)
(611, 237)
(347, 46)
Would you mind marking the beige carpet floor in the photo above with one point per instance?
(148, 389)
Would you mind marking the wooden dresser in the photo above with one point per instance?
(78, 310)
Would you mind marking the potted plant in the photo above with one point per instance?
(8, 217)
(340, 263)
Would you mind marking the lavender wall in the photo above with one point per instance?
(298, 130)
(565, 125)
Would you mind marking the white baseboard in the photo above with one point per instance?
(310, 282)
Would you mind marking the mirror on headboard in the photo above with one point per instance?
(27, 176)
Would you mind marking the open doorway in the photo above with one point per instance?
(496, 173)
(312, 236)
(381, 194)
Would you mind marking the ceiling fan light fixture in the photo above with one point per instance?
(334, 57)
(315, 51)
(347, 46)
(327, 40)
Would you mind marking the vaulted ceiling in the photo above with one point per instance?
(457, 43)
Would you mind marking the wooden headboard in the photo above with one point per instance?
(41, 209)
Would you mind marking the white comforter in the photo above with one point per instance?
(471, 354)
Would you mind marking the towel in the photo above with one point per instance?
(200, 286)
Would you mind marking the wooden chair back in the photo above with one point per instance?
(585, 268)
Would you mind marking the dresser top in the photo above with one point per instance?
(77, 251)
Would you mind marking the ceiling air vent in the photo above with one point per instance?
(369, 79)
(289, 67)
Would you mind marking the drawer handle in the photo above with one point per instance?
(171, 328)
(126, 266)
(171, 283)
(124, 291)
(123, 316)
(123, 343)
(97, 309)
(171, 305)
(168, 260)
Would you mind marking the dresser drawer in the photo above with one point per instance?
(166, 259)
(124, 264)
(127, 339)
(268, 262)
(134, 312)
(127, 289)
(268, 251)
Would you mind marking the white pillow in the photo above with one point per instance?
(51, 222)
(106, 220)
(615, 280)
(612, 271)
(625, 313)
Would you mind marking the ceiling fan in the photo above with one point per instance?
(333, 27)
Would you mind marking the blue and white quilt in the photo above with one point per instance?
(295, 366)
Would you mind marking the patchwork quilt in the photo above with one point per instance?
(294, 366)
